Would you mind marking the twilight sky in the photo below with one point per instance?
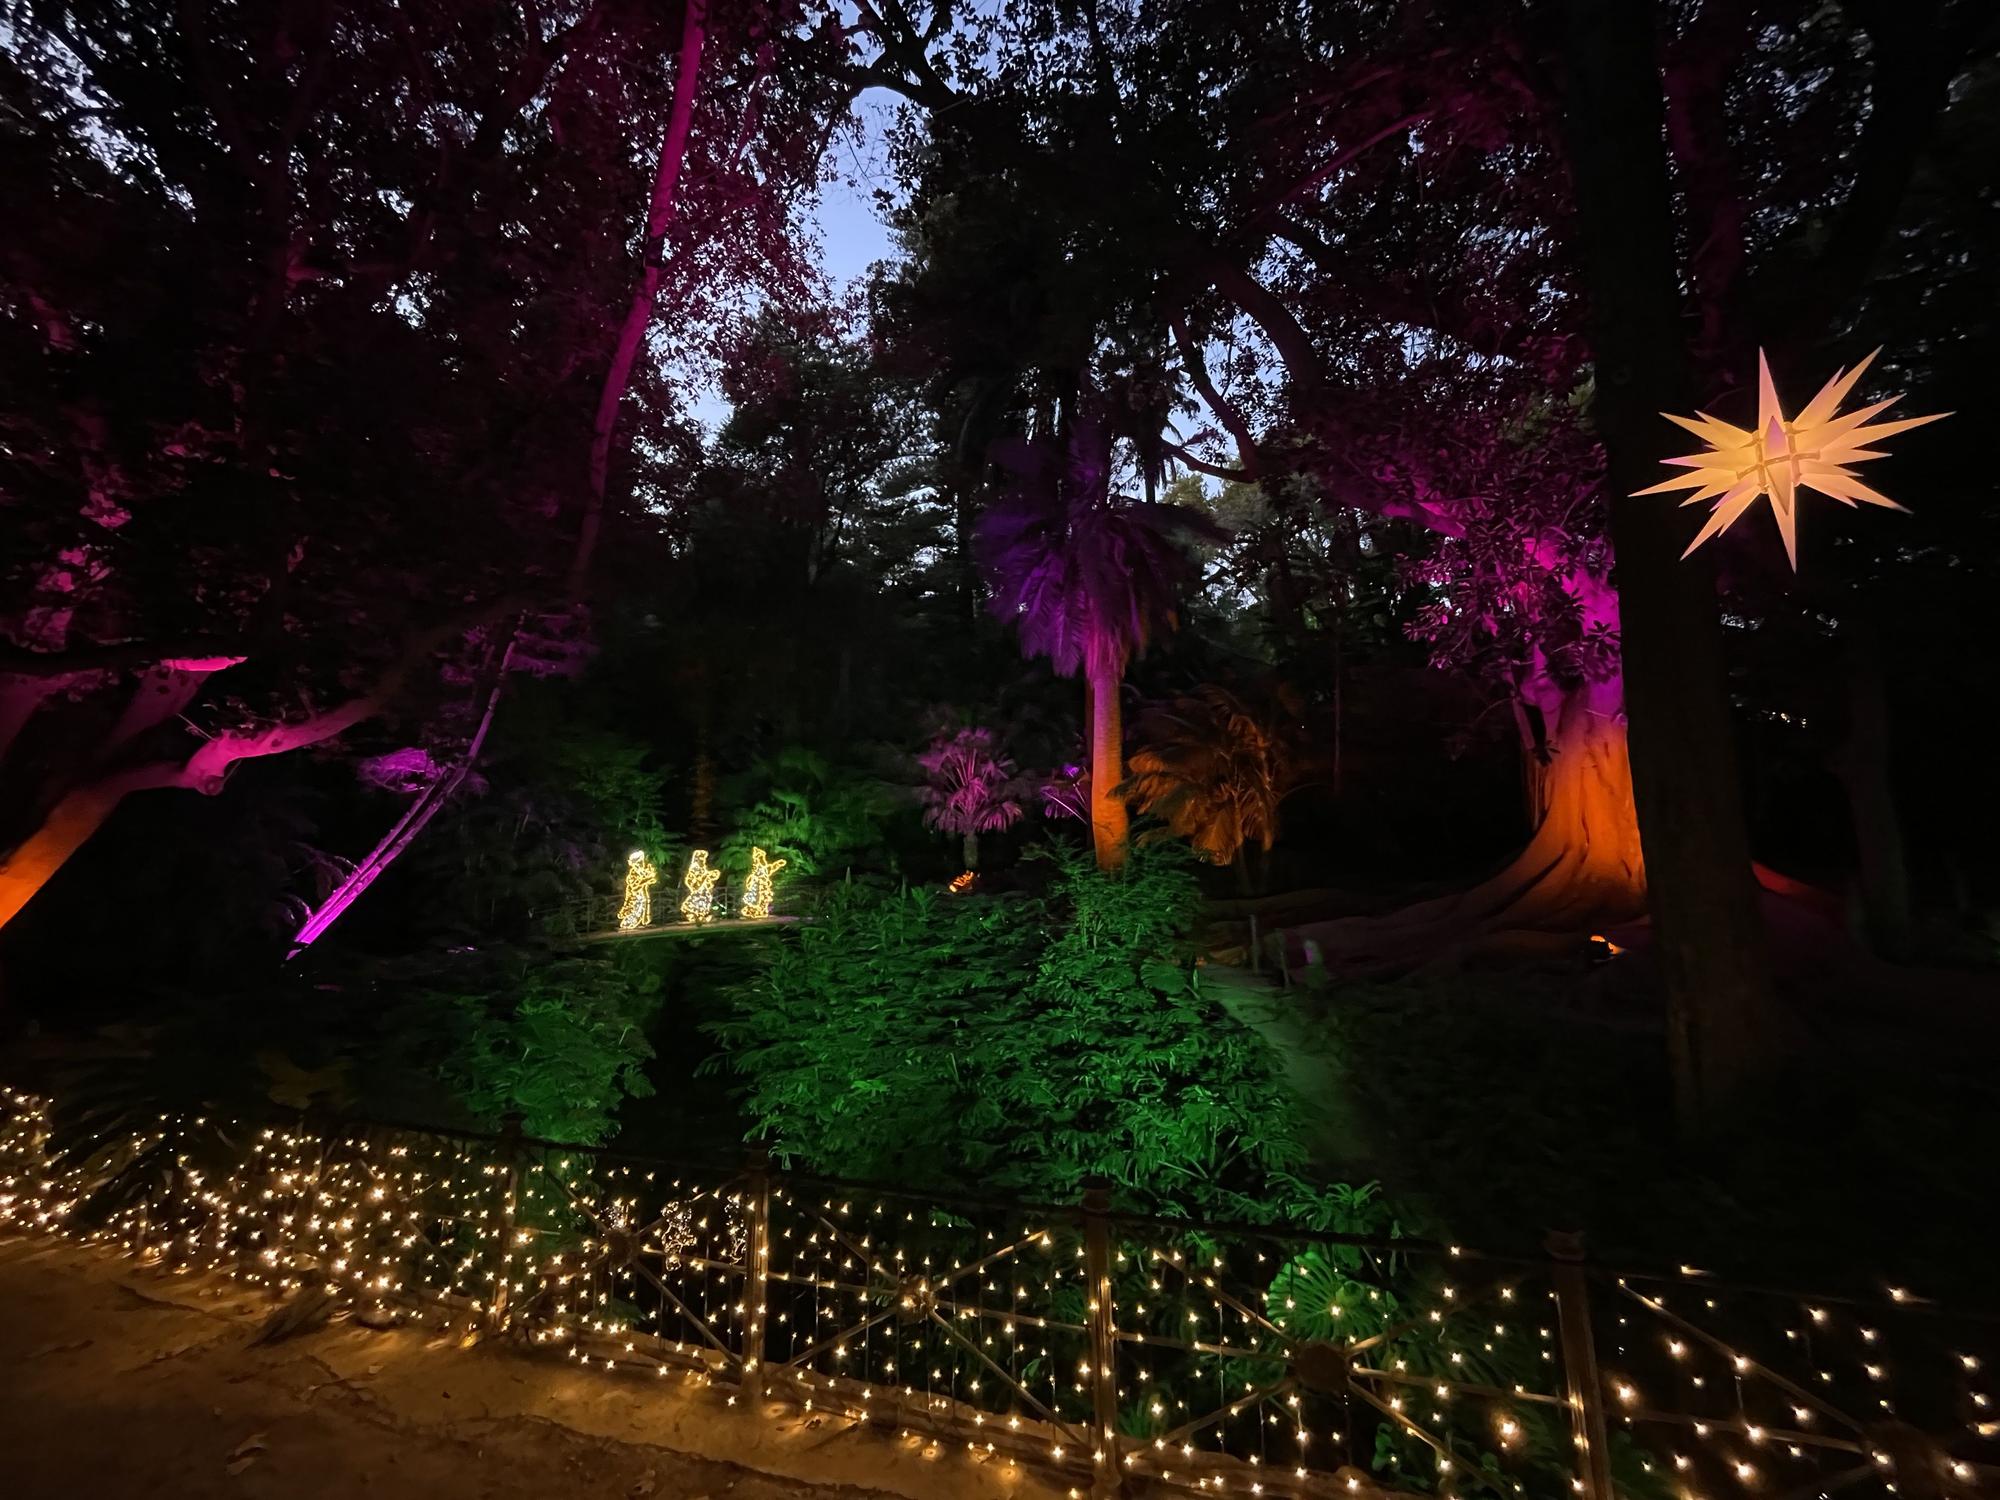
(853, 238)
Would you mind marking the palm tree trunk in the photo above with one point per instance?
(1108, 820)
(971, 849)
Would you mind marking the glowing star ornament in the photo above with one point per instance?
(757, 885)
(1784, 455)
(639, 877)
(699, 903)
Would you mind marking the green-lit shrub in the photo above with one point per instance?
(1020, 1044)
(562, 1044)
(819, 818)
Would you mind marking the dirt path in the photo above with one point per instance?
(120, 1381)
(1335, 1134)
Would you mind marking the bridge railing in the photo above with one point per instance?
(1130, 1354)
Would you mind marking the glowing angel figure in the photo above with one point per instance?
(757, 885)
(1811, 450)
(699, 903)
(639, 877)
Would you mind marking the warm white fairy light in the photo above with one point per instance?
(757, 884)
(639, 877)
(698, 905)
(790, 1286)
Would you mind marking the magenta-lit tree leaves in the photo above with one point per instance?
(971, 787)
(325, 297)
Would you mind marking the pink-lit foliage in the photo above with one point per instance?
(296, 428)
(1514, 585)
(407, 771)
(1065, 791)
(971, 787)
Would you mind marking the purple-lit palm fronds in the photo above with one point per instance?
(1066, 792)
(970, 787)
(1087, 577)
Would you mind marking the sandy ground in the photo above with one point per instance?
(116, 1380)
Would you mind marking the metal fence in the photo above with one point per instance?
(1126, 1353)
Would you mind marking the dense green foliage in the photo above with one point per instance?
(559, 1044)
(818, 817)
(1019, 1044)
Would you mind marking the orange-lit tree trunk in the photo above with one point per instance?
(66, 828)
(1583, 865)
(1582, 869)
(1109, 822)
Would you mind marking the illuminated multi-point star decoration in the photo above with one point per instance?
(1783, 455)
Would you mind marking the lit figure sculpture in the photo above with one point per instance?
(639, 877)
(757, 885)
(699, 903)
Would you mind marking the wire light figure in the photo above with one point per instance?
(699, 904)
(639, 877)
(757, 885)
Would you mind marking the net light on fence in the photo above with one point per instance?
(292, 1203)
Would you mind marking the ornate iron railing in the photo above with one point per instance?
(1128, 1353)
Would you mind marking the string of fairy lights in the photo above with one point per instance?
(1239, 1363)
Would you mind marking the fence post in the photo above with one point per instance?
(1109, 1483)
(1580, 1373)
(757, 1268)
(510, 1192)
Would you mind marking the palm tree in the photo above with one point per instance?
(1214, 768)
(970, 788)
(1089, 579)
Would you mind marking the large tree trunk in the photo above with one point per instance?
(1587, 844)
(68, 826)
(1108, 818)
(1582, 871)
(1862, 766)
(1708, 932)
(652, 250)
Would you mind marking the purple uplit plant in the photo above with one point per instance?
(970, 788)
(1066, 792)
(407, 771)
(1088, 578)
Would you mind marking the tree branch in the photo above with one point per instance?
(1203, 466)
(652, 251)
(1328, 169)
(1916, 59)
(18, 661)
(1225, 411)
(1454, 316)
(1303, 361)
